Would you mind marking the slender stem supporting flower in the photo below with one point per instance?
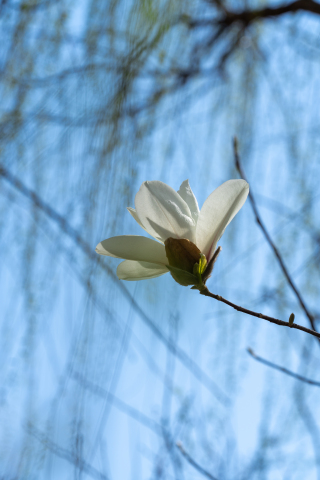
(206, 293)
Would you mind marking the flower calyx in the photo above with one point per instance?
(187, 265)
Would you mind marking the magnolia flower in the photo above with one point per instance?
(185, 237)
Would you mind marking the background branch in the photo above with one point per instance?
(195, 465)
(282, 369)
(70, 457)
(269, 240)
(247, 17)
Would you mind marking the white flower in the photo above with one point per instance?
(166, 214)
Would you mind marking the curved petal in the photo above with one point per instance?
(133, 247)
(217, 212)
(188, 196)
(134, 214)
(130, 270)
(163, 212)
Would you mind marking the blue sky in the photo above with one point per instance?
(79, 363)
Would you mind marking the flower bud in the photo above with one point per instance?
(291, 319)
(182, 253)
(186, 262)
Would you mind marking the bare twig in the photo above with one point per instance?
(206, 293)
(269, 240)
(282, 369)
(195, 465)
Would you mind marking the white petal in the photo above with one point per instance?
(188, 196)
(133, 247)
(133, 212)
(217, 212)
(130, 270)
(163, 212)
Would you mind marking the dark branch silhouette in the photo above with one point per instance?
(271, 243)
(206, 293)
(247, 17)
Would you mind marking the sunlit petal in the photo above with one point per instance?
(133, 247)
(217, 212)
(131, 270)
(163, 212)
(188, 196)
(134, 214)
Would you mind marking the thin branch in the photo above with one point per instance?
(282, 369)
(269, 240)
(195, 465)
(206, 293)
(311, 425)
(247, 17)
(167, 401)
(66, 455)
(117, 403)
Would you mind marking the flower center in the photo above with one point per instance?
(182, 253)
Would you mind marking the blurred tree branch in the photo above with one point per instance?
(70, 457)
(119, 404)
(282, 369)
(195, 464)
